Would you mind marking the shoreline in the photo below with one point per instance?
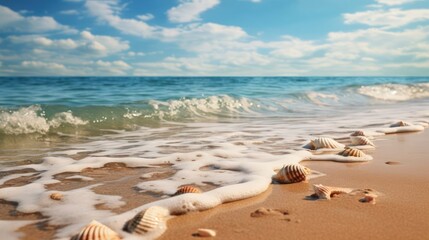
(400, 211)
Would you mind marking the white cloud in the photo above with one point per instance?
(190, 10)
(69, 12)
(88, 45)
(255, 1)
(11, 21)
(145, 17)
(391, 18)
(394, 2)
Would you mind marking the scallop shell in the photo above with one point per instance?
(96, 231)
(325, 192)
(146, 221)
(326, 143)
(358, 133)
(401, 124)
(56, 196)
(187, 189)
(352, 152)
(292, 173)
(361, 140)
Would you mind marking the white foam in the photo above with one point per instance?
(28, 120)
(9, 229)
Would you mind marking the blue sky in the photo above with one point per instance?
(214, 37)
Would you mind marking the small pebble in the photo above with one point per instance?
(392, 163)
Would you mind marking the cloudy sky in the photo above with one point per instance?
(214, 37)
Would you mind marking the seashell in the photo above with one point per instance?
(146, 221)
(401, 124)
(358, 133)
(352, 152)
(96, 231)
(325, 192)
(187, 189)
(56, 196)
(361, 140)
(205, 232)
(326, 143)
(292, 173)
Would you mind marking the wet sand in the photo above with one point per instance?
(401, 212)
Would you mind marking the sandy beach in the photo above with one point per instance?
(401, 211)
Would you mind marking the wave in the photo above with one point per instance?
(32, 120)
(396, 92)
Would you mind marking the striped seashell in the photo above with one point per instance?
(56, 196)
(326, 143)
(96, 231)
(361, 140)
(146, 221)
(401, 124)
(352, 152)
(292, 173)
(187, 189)
(358, 133)
(325, 192)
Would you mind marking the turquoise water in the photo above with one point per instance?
(41, 113)
(87, 104)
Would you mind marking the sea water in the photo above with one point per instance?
(227, 132)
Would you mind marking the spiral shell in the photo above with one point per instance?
(352, 152)
(146, 221)
(96, 231)
(292, 173)
(358, 133)
(401, 124)
(361, 140)
(56, 196)
(187, 189)
(326, 143)
(325, 192)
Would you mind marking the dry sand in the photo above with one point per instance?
(401, 212)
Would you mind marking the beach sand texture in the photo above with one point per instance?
(398, 174)
(401, 210)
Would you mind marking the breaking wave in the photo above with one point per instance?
(396, 92)
(32, 120)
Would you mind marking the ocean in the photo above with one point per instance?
(216, 132)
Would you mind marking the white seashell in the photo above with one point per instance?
(358, 133)
(146, 221)
(326, 143)
(292, 173)
(204, 232)
(187, 189)
(96, 231)
(361, 140)
(325, 192)
(56, 196)
(401, 124)
(352, 152)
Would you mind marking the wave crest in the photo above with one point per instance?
(396, 92)
(202, 107)
(32, 120)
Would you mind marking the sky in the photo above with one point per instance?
(214, 38)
